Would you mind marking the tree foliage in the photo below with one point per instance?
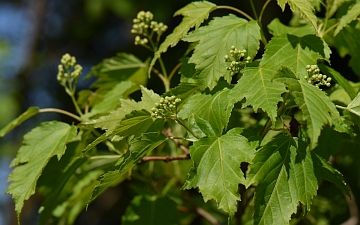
(253, 132)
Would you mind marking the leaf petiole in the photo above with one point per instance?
(61, 112)
(236, 10)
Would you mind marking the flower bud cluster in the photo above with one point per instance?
(166, 108)
(237, 60)
(315, 77)
(68, 70)
(144, 26)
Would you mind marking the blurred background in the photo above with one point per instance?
(34, 34)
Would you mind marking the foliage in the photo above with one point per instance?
(261, 130)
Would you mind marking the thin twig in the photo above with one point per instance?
(60, 111)
(353, 209)
(157, 72)
(236, 10)
(262, 11)
(167, 158)
(174, 70)
(212, 220)
(170, 134)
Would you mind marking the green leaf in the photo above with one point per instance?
(256, 83)
(315, 105)
(201, 127)
(135, 123)
(324, 170)
(30, 112)
(294, 52)
(110, 121)
(151, 210)
(184, 91)
(352, 14)
(40, 144)
(187, 71)
(119, 68)
(334, 6)
(215, 41)
(276, 28)
(347, 42)
(215, 109)
(285, 174)
(354, 105)
(216, 168)
(139, 148)
(52, 199)
(112, 98)
(343, 82)
(304, 7)
(258, 89)
(77, 197)
(194, 14)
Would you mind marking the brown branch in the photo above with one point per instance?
(167, 158)
(353, 209)
(160, 75)
(170, 134)
(174, 70)
(201, 212)
(212, 220)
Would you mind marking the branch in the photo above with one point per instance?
(353, 209)
(170, 134)
(167, 158)
(212, 220)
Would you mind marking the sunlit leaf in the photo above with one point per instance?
(352, 14)
(30, 112)
(315, 105)
(215, 41)
(110, 121)
(354, 105)
(194, 14)
(40, 144)
(135, 123)
(216, 170)
(215, 109)
(294, 52)
(284, 171)
(258, 89)
(112, 98)
(201, 127)
(256, 82)
(304, 7)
